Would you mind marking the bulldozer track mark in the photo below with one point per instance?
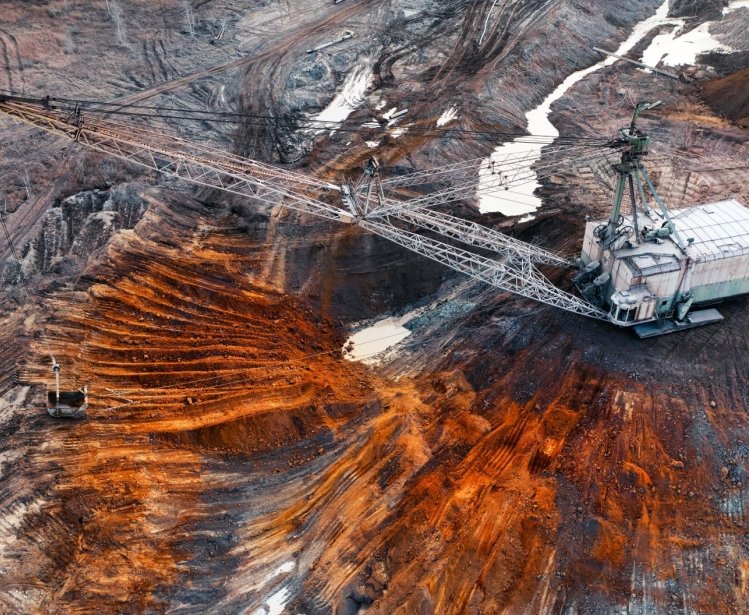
(154, 53)
(510, 20)
(278, 48)
(149, 64)
(12, 54)
(6, 61)
(159, 53)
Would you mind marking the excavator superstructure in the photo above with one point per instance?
(650, 267)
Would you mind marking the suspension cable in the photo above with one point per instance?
(178, 113)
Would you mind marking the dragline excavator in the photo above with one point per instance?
(647, 268)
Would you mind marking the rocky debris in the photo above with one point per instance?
(697, 10)
(76, 228)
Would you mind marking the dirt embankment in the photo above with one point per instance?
(186, 362)
(729, 96)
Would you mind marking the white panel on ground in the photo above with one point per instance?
(350, 97)
(447, 117)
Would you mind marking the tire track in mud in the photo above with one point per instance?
(511, 20)
(445, 531)
(6, 61)
(262, 84)
(12, 54)
(274, 50)
(154, 55)
(523, 15)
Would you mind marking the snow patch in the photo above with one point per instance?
(733, 6)
(685, 49)
(275, 603)
(447, 117)
(399, 131)
(349, 98)
(389, 114)
(278, 601)
(284, 568)
(524, 201)
(674, 49)
(367, 344)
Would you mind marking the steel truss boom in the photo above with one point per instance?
(469, 169)
(413, 212)
(515, 275)
(458, 182)
(474, 234)
(184, 160)
(512, 271)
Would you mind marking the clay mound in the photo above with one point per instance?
(729, 96)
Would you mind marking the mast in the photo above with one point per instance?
(631, 173)
(636, 143)
(56, 370)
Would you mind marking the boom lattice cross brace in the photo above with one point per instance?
(512, 274)
(188, 161)
(473, 234)
(512, 270)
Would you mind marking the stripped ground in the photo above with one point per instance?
(231, 453)
(729, 96)
(508, 459)
(11, 62)
(184, 357)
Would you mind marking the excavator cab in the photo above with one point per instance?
(66, 404)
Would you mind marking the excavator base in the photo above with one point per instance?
(694, 319)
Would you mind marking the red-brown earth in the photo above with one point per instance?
(509, 458)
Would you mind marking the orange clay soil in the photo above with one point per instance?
(182, 355)
(230, 452)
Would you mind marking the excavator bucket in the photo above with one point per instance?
(70, 404)
(66, 404)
